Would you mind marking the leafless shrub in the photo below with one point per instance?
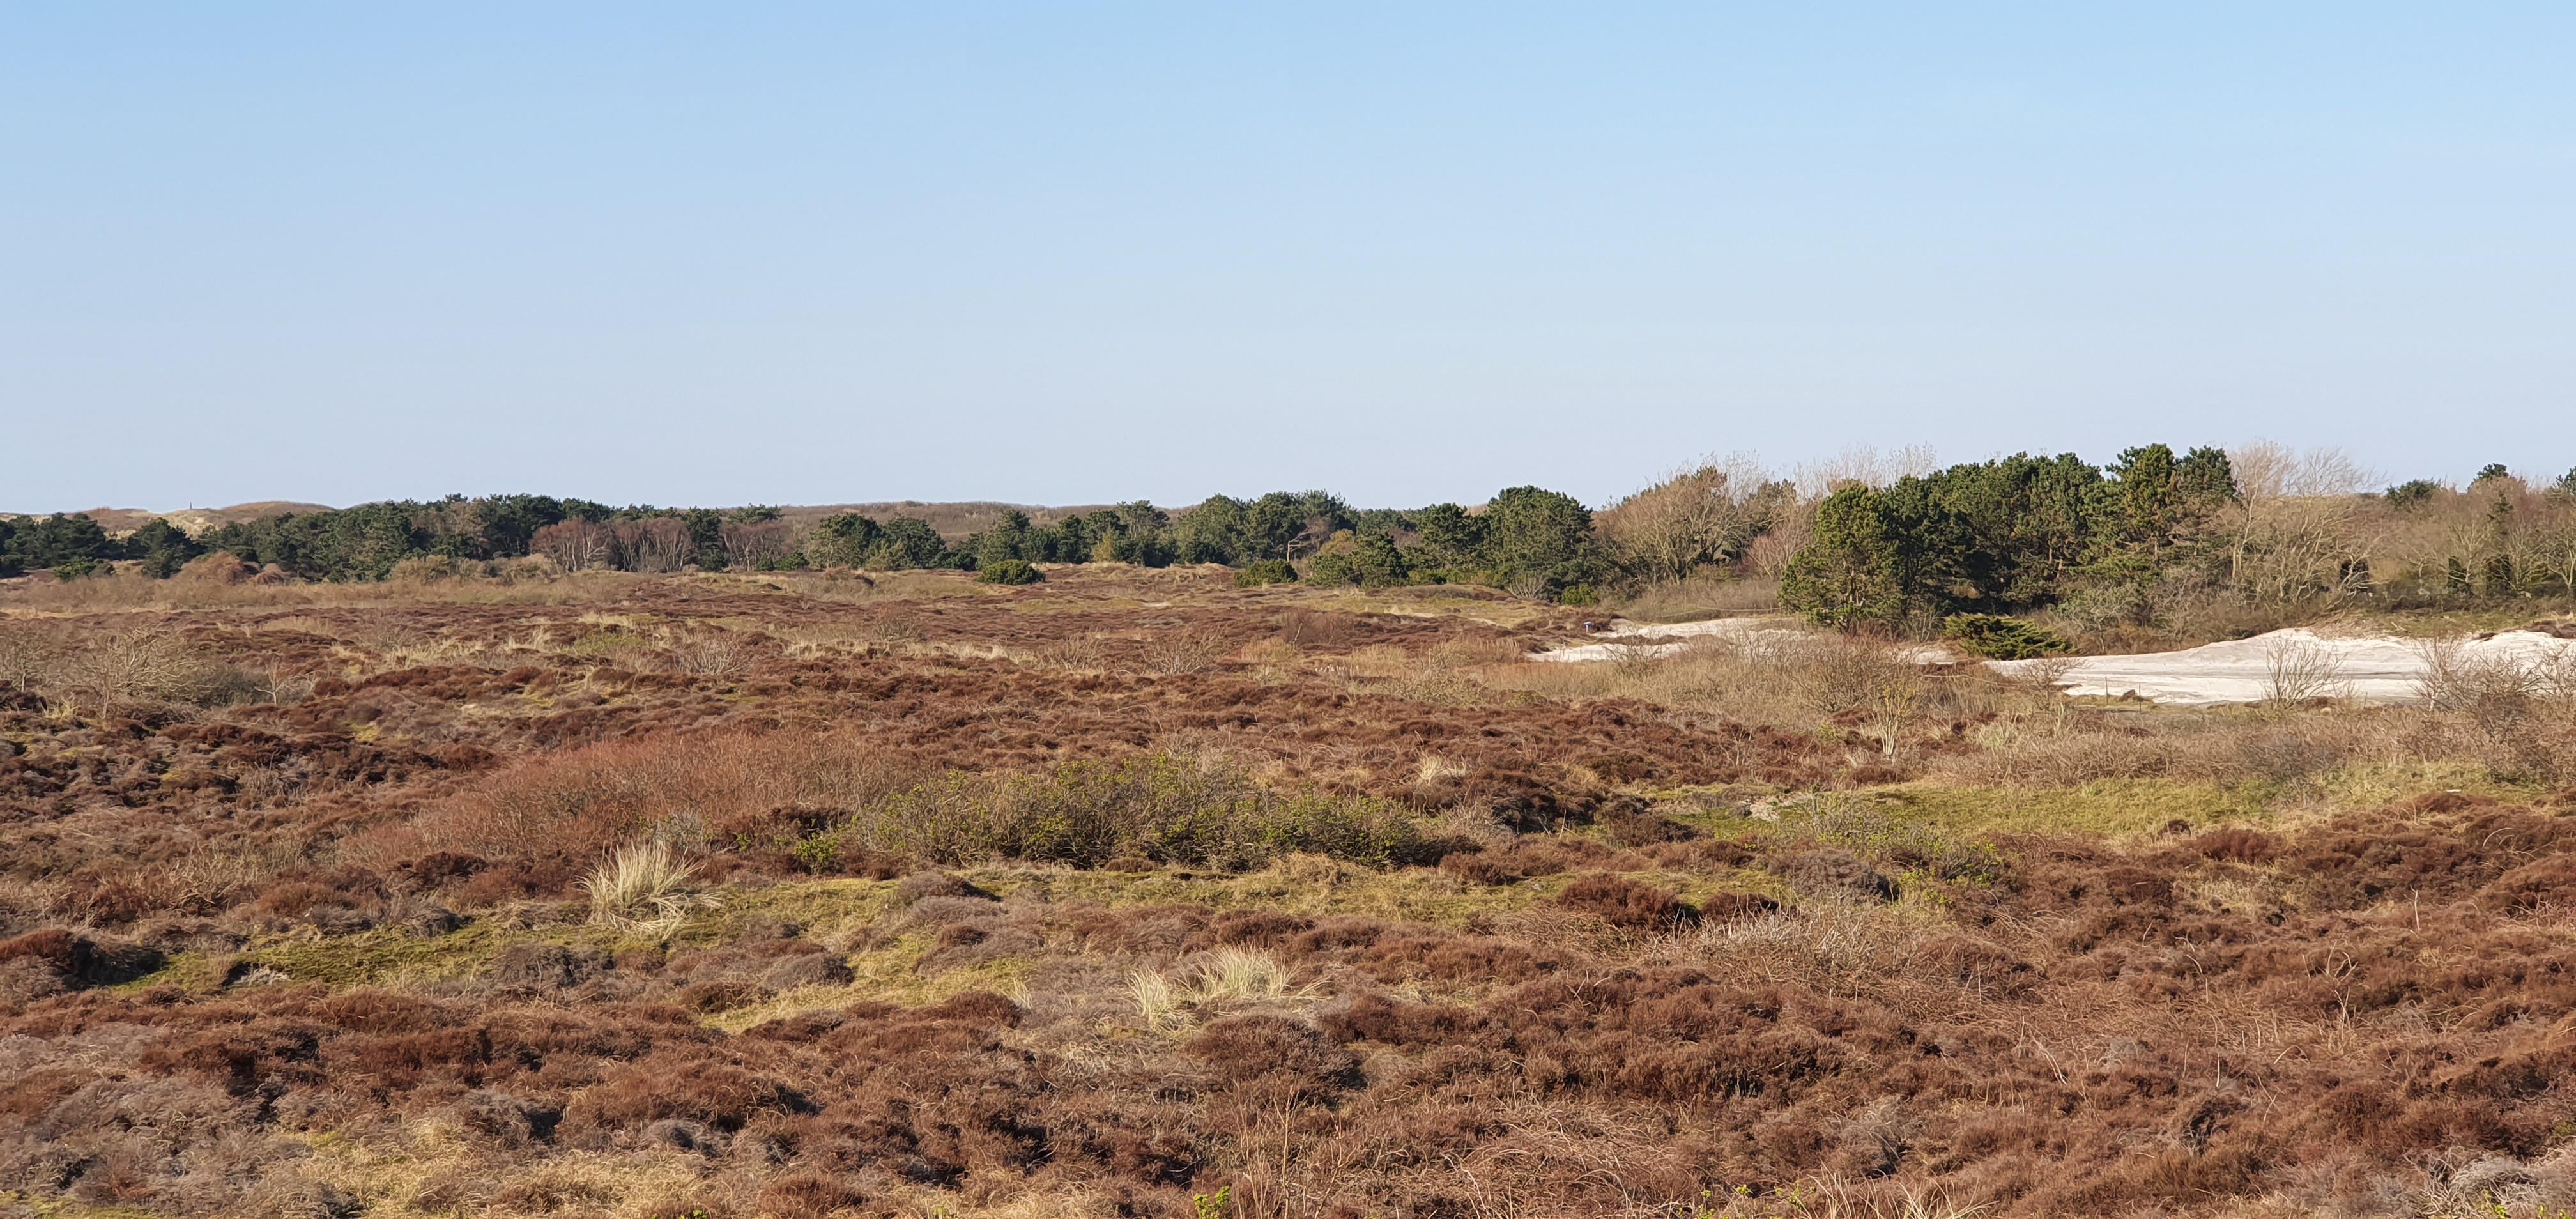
(1307, 628)
(124, 665)
(29, 656)
(2046, 673)
(2297, 670)
(1184, 651)
(2495, 685)
(711, 653)
(1080, 653)
(1866, 679)
(1634, 656)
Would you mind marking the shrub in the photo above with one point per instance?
(1578, 594)
(1158, 807)
(1009, 571)
(1267, 571)
(1624, 903)
(1997, 637)
(1370, 560)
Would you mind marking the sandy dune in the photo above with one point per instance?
(2378, 669)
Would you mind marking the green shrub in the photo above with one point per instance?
(1009, 571)
(1161, 807)
(73, 569)
(1370, 560)
(1267, 571)
(1578, 594)
(1997, 637)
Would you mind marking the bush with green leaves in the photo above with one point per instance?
(1372, 560)
(1266, 571)
(1160, 806)
(163, 547)
(2014, 533)
(1997, 637)
(1578, 594)
(845, 539)
(1009, 571)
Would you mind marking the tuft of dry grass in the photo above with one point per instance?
(645, 888)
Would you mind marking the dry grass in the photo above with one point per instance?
(644, 888)
(130, 591)
(1769, 676)
(1698, 599)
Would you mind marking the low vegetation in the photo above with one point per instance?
(1139, 890)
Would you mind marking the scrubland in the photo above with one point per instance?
(1135, 893)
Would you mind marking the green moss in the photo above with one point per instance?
(606, 644)
(194, 972)
(2372, 786)
(1300, 885)
(2107, 806)
(63, 1208)
(822, 907)
(389, 955)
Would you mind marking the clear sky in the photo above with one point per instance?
(731, 253)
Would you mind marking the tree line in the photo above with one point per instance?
(1528, 534)
(73, 545)
(2126, 542)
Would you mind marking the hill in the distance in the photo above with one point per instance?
(121, 521)
(952, 520)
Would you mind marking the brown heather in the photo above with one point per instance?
(292, 920)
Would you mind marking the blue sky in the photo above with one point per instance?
(1056, 254)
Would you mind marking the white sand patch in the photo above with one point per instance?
(1611, 651)
(2378, 669)
(1621, 628)
(1637, 640)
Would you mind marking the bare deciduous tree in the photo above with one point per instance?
(1708, 514)
(576, 545)
(655, 545)
(2291, 532)
(747, 547)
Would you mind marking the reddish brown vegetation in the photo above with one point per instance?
(2349, 1013)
